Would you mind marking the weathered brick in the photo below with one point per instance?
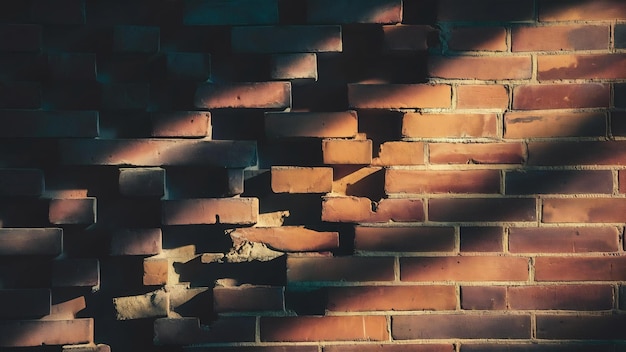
(584, 210)
(158, 152)
(390, 347)
(136, 242)
(482, 96)
(488, 268)
(479, 153)
(187, 331)
(150, 305)
(409, 37)
(561, 297)
(396, 298)
(347, 11)
(286, 39)
(142, 181)
(561, 96)
(444, 326)
(188, 66)
(597, 327)
(478, 38)
(76, 273)
(260, 95)
(72, 211)
(579, 269)
(180, 124)
(563, 10)
(20, 38)
(347, 151)
(563, 239)
(396, 153)
(560, 38)
(136, 39)
(418, 181)
(482, 209)
(480, 67)
(299, 66)
(311, 124)
(483, 297)
(31, 241)
(404, 239)
(21, 182)
(577, 153)
(359, 209)
(33, 333)
(485, 10)
(416, 125)
(155, 271)
(240, 12)
(482, 239)
(538, 124)
(289, 238)
(247, 298)
(559, 182)
(587, 66)
(24, 303)
(353, 269)
(399, 96)
(210, 211)
(327, 328)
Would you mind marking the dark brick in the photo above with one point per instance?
(581, 327)
(75, 273)
(238, 12)
(482, 209)
(286, 39)
(21, 182)
(31, 241)
(33, 303)
(349, 11)
(486, 10)
(20, 38)
(136, 39)
(48, 124)
(559, 182)
(483, 297)
(482, 239)
(404, 239)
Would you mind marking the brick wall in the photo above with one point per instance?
(312, 176)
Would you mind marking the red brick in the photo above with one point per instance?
(286, 39)
(142, 181)
(464, 269)
(560, 38)
(353, 269)
(399, 96)
(20, 38)
(24, 303)
(590, 10)
(258, 95)
(482, 239)
(155, 271)
(561, 297)
(136, 242)
(579, 327)
(577, 153)
(327, 328)
(296, 179)
(188, 66)
(480, 153)
(584, 210)
(478, 38)
(180, 124)
(247, 298)
(158, 152)
(240, 12)
(486, 10)
(563, 239)
(447, 326)
(392, 347)
(416, 125)
(482, 96)
(311, 124)
(359, 209)
(579, 269)
(561, 96)
(72, 211)
(21, 182)
(33, 333)
(347, 151)
(400, 153)
(537, 124)
(588, 66)
(483, 297)
(408, 37)
(76, 273)
(289, 238)
(346, 11)
(187, 331)
(210, 211)
(480, 67)
(482, 209)
(297, 67)
(31, 241)
(396, 298)
(404, 239)
(418, 181)
(559, 182)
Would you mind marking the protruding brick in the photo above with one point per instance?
(188, 66)
(353, 269)
(240, 12)
(462, 326)
(396, 298)
(482, 96)
(347, 151)
(31, 241)
(150, 305)
(399, 96)
(20, 38)
(299, 66)
(561, 96)
(76, 273)
(397, 153)
(483, 297)
(419, 181)
(478, 38)
(286, 39)
(136, 242)
(259, 95)
(584, 210)
(540, 124)
(33, 333)
(155, 271)
(478, 153)
(289, 238)
(136, 39)
(248, 298)
(404, 239)
(181, 124)
(347, 11)
(21, 182)
(588, 66)
(25, 303)
(408, 37)
(142, 182)
(311, 124)
(358, 209)
(609, 268)
(561, 297)
(563, 10)
(72, 211)
(326, 328)
(559, 182)
(415, 125)
(211, 211)
(560, 38)
(487, 268)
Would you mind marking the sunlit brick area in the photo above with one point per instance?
(312, 175)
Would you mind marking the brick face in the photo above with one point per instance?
(464, 269)
(546, 124)
(564, 37)
(372, 328)
(449, 125)
(464, 326)
(484, 68)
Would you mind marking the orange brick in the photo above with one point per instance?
(294, 179)
(550, 10)
(180, 124)
(416, 125)
(607, 268)
(563, 239)
(33, 333)
(567, 297)
(464, 269)
(311, 124)
(289, 238)
(482, 97)
(298, 67)
(155, 271)
(397, 298)
(404, 239)
(210, 211)
(400, 153)
(478, 38)
(588, 66)
(561, 96)
(260, 95)
(584, 210)
(352, 269)
(446, 326)
(399, 96)
(483, 67)
(327, 328)
(357, 209)
(538, 124)
(419, 181)
(555, 38)
(479, 153)
(347, 151)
